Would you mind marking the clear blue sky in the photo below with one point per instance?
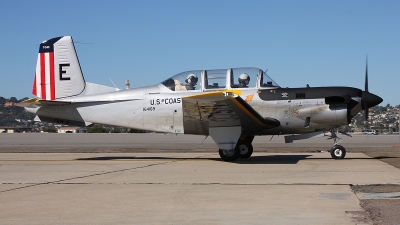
(321, 43)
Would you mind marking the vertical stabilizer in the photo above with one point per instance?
(58, 73)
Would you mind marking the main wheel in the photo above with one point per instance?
(229, 155)
(338, 152)
(245, 150)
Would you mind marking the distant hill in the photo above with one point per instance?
(13, 116)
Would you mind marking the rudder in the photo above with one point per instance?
(58, 72)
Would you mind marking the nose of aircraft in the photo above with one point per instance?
(370, 100)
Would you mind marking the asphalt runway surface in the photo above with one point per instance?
(180, 179)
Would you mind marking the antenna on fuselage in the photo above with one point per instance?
(114, 84)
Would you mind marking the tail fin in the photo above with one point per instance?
(58, 73)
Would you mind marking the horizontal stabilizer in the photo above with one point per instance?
(34, 103)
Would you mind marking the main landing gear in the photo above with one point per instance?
(229, 155)
(337, 151)
(243, 150)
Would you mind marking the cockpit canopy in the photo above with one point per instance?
(206, 80)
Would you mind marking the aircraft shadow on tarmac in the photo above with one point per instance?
(268, 159)
(272, 159)
(386, 157)
(265, 159)
(293, 159)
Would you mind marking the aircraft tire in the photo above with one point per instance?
(338, 152)
(229, 155)
(245, 150)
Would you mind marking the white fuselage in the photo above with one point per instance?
(155, 109)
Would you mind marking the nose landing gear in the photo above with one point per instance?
(337, 151)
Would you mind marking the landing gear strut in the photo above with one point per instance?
(337, 151)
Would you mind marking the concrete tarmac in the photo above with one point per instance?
(179, 187)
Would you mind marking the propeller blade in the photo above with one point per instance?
(366, 76)
(365, 92)
(368, 100)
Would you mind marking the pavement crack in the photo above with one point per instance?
(86, 176)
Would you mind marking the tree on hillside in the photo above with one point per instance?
(13, 99)
(97, 129)
(13, 115)
(2, 101)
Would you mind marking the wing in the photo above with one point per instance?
(222, 109)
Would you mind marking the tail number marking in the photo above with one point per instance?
(60, 66)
